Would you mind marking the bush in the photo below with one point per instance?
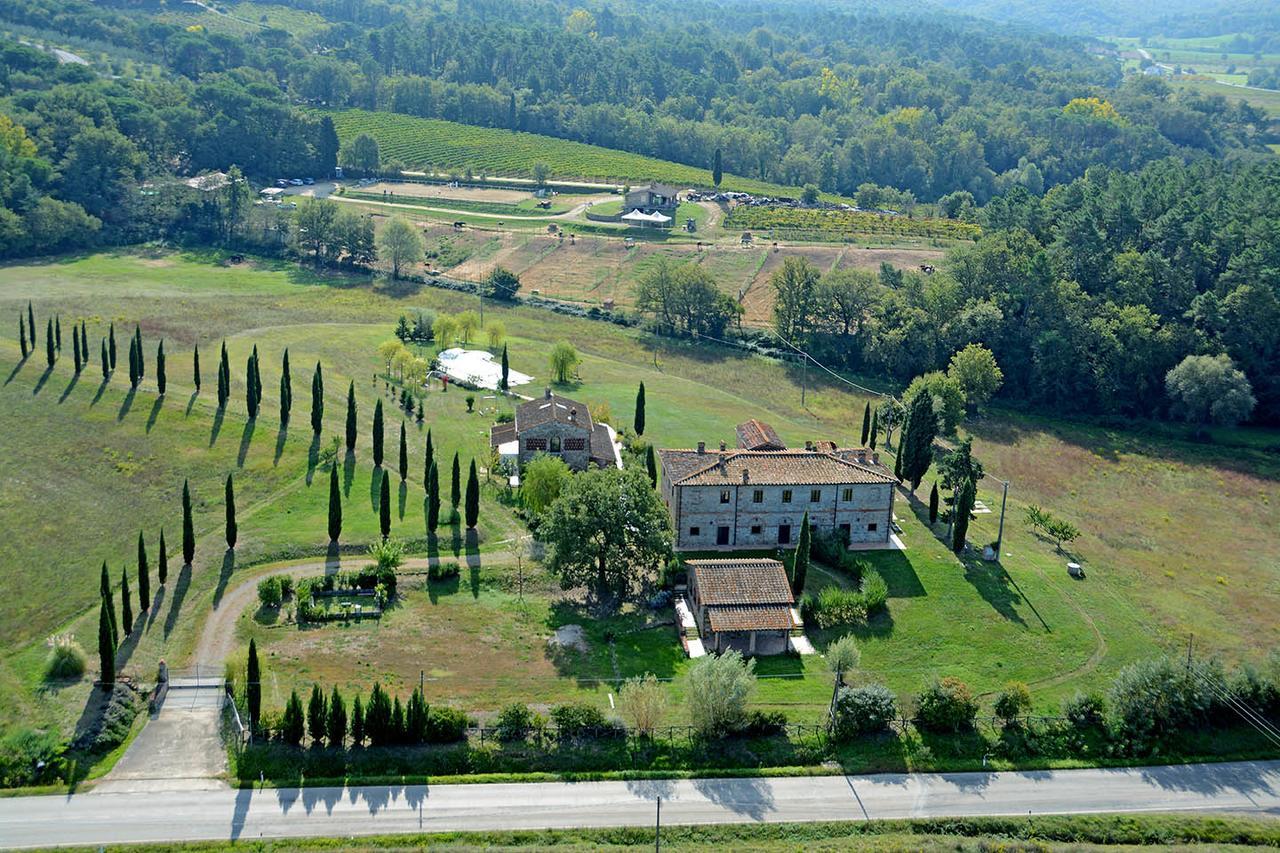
(442, 571)
(65, 660)
(29, 757)
(643, 702)
(446, 724)
(388, 554)
(862, 710)
(270, 593)
(1150, 699)
(578, 720)
(514, 722)
(946, 706)
(1085, 710)
(1014, 701)
(833, 606)
(762, 723)
(716, 691)
(875, 592)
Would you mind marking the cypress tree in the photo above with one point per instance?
(253, 686)
(651, 465)
(384, 507)
(357, 722)
(142, 363)
(162, 564)
(144, 576)
(126, 612)
(337, 723)
(106, 648)
(800, 569)
(195, 368)
(404, 454)
(160, 378)
(317, 400)
(639, 419)
(504, 384)
(866, 423)
(351, 416)
(430, 457)
(455, 484)
(84, 342)
(933, 503)
(111, 344)
(22, 335)
(897, 456)
(49, 352)
(231, 513)
(188, 528)
(31, 324)
(286, 389)
(57, 332)
(134, 377)
(473, 497)
(293, 722)
(251, 389)
(106, 364)
(224, 378)
(377, 434)
(104, 588)
(961, 508)
(717, 173)
(317, 716)
(433, 497)
(875, 428)
(397, 722)
(75, 352)
(335, 505)
(917, 454)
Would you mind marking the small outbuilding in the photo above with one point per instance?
(745, 605)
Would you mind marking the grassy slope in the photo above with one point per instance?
(421, 142)
(1032, 624)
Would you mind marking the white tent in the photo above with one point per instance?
(640, 217)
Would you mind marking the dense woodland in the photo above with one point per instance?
(1126, 225)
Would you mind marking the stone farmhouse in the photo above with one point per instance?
(745, 605)
(559, 427)
(749, 497)
(651, 204)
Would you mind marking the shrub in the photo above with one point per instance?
(843, 656)
(29, 757)
(270, 592)
(388, 554)
(762, 723)
(946, 706)
(1150, 699)
(834, 606)
(716, 691)
(442, 571)
(862, 710)
(577, 720)
(875, 592)
(65, 660)
(1014, 701)
(514, 722)
(1085, 710)
(644, 702)
(445, 724)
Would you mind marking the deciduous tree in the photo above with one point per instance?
(975, 370)
(1209, 389)
(717, 688)
(540, 483)
(564, 360)
(401, 244)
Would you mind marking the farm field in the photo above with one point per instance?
(437, 144)
(1264, 99)
(1158, 512)
(243, 19)
(842, 224)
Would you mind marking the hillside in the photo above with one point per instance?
(422, 143)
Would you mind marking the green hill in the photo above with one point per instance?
(421, 142)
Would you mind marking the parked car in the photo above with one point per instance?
(282, 183)
(297, 182)
(308, 181)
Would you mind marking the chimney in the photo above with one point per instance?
(875, 457)
(808, 445)
(723, 466)
(573, 415)
(722, 447)
(546, 395)
(746, 476)
(862, 455)
(702, 447)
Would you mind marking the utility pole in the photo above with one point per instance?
(804, 382)
(1190, 640)
(657, 829)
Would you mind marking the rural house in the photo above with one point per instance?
(756, 497)
(653, 204)
(745, 605)
(560, 427)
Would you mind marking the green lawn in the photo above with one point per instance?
(1159, 513)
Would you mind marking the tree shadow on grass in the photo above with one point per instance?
(473, 561)
(313, 457)
(102, 389)
(997, 588)
(246, 439)
(66, 392)
(224, 575)
(155, 413)
(218, 417)
(899, 574)
(44, 377)
(348, 472)
(191, 402)
(375, 488)
(17, 368)
(282, 435)
(180, 588)
(126, 404)
(157, 601)
(455, 538)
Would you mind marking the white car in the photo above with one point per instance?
(297, 182)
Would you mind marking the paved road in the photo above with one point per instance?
(1252, 787)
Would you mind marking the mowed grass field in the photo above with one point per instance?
(1179, 538)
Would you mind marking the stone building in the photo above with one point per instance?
(559, 427)
(745, 605)
(737, 498)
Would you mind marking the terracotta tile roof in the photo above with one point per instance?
(760, 617)
(758, 435)
(768, 468)
(501, 434)
(740, 582)
(602, 447)
(551, 408)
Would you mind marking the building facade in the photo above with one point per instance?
(741, 499)
(744, 605)
(556, 426)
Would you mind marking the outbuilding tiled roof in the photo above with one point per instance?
(768, 468)
(501, 433)
(602, 447)
(758, 435)
(759, 617)
(740, 582)
(551, 408)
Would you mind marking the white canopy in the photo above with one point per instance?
(640, 216)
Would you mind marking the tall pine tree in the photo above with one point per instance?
(142, 362)
(473, 497)
(75, 352)
(317, 400)
(31, 324)
(962, 509)
(224, 378)
(251, 384)
(84, 340)
(134, 376)
(22, 335)
(188, 527)
(232, 529)
(651, 465)
(335, 504)
(639, 419)
(57, 331)
(933, 503)
(351, 417)
(144, 576)
(377, 434)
